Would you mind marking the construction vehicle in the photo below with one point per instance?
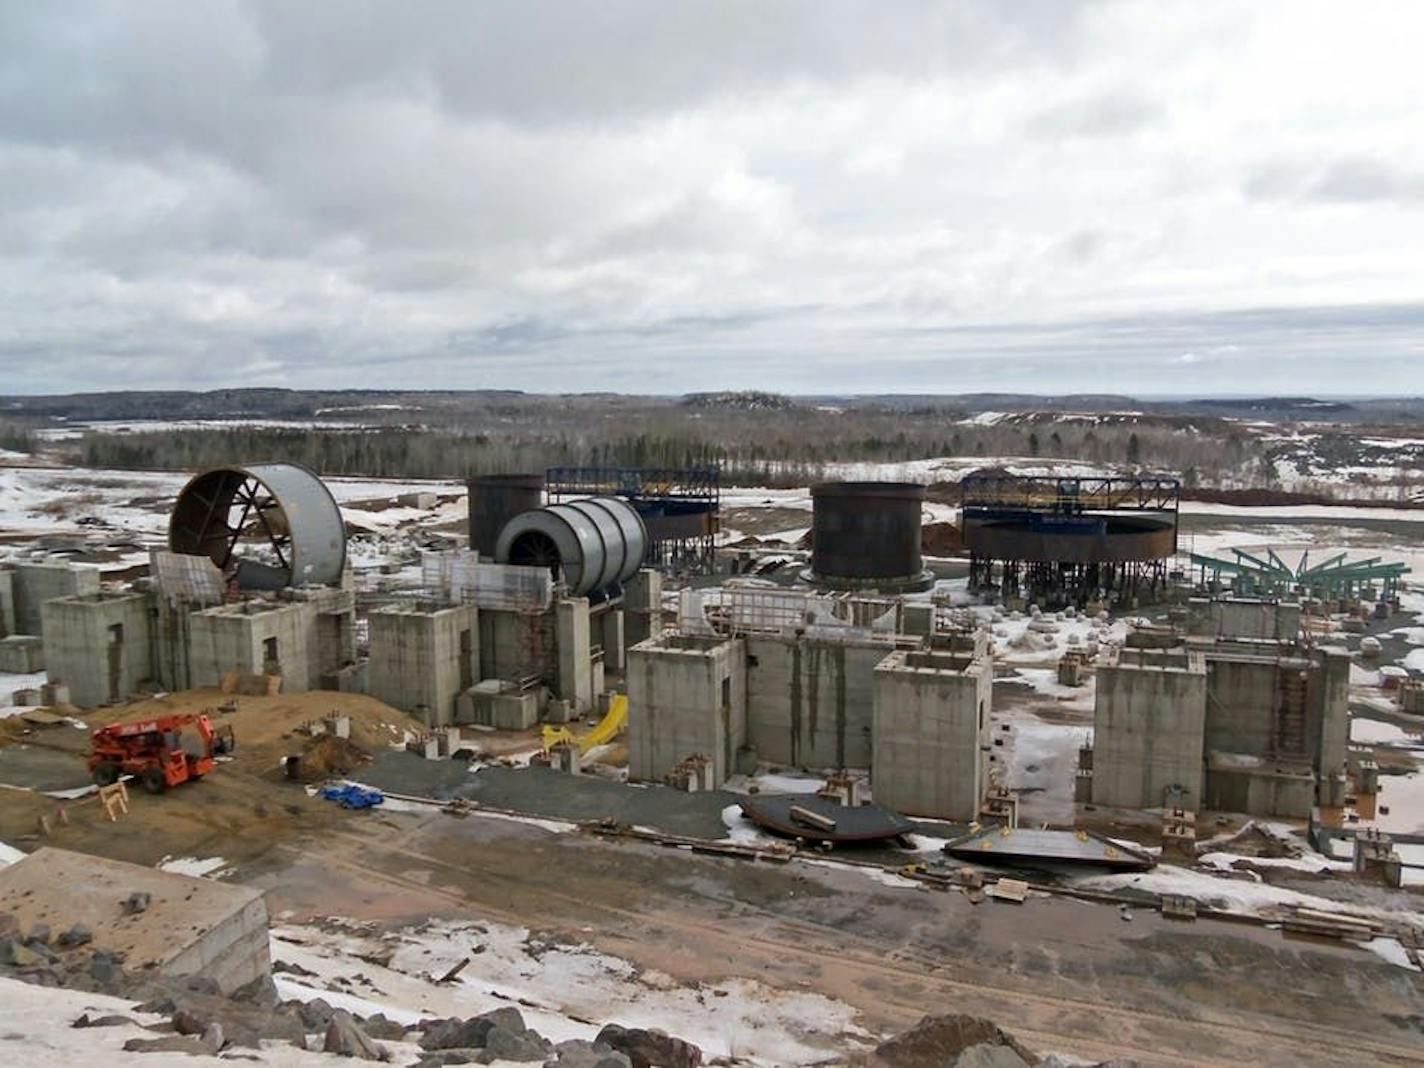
(161, 752)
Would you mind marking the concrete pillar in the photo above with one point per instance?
(7, 603)
(575, 678)
(643, 605)
(611, 630)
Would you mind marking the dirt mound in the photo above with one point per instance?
(941, 539)
(330, 756)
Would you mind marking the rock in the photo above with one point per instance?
(162, 1005)
(187, 1022)
(986, 1055)
(648, 1048)
(439, 1057)
(213, 1036)
(471, 1033)
(78, 935)
(377, 1026)
(201, 984)
(315, 1014)
(937, 1040)
(261, 991)
(39, 933)
(505, 1045)
(192, 1045)
(345, 1038)
(137, 902)
(17, 954)
(42, 974)
(104, 1021)
(9, 926)
(577, 1053)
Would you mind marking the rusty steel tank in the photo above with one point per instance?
(496, 499)
(866, 535)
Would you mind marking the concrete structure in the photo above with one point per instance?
(190, 927)
(34, 584)
(100, 645)
(7, 602)
(22, 654)
(1243, 617)
(574, 679)
(498, 704)
(930, 733)
(687, 696)
(1262, 729)
(643, 607)
(809, 700)
(252, 638)
(423, 656)
(331, 634)
(1147, 728)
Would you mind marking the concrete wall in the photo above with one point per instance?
(7, 603)
(930, 730)
(1330, 710)
(235, 637)
(1238, 783)
(33, 584)
(1148, 724)
(686, 697)
(101, 646)
(1244, 617)
(1241, 703)
(573, 641)
(423, 658)
(331, 637)
(643, 607)
(809, 701)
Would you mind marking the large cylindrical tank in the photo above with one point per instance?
(496, 499)
(283, 505)
(864, 533)
(592, 544)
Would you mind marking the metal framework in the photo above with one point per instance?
(679, 505)
(1072, 495)
(1272, 576)
(1070, 539)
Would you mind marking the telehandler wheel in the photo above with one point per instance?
(106, 773)
(153, 780)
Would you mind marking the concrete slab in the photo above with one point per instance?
(190, 926)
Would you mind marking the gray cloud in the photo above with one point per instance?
(809, 195)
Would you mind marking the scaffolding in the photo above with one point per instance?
(733, 611)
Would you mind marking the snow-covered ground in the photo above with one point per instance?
(558, 985)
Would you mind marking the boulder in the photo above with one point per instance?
(261, 991)
(377, 1026)
(314, 1014)
(17, 954)
(648, 1048)
(937, 1041)
(345, 1038)
(986, 1055)
(502, 1044)
(192, 1045)
(471, 1033)
(111, 1020)
(78, 935)
(577, 1053)
(39, 933)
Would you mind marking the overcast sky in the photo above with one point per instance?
(665, 196)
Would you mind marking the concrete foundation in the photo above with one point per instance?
(1147, 731)
(687, 697)
(497, 704)
(251, 638)
(190, 927)
(1239, 782)
(22, 654)
(574, 681)
(34, 584)
(423, 657)
(930, 733)
(100, 645)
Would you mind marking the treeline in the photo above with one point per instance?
(752, 448)
(16, 436)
